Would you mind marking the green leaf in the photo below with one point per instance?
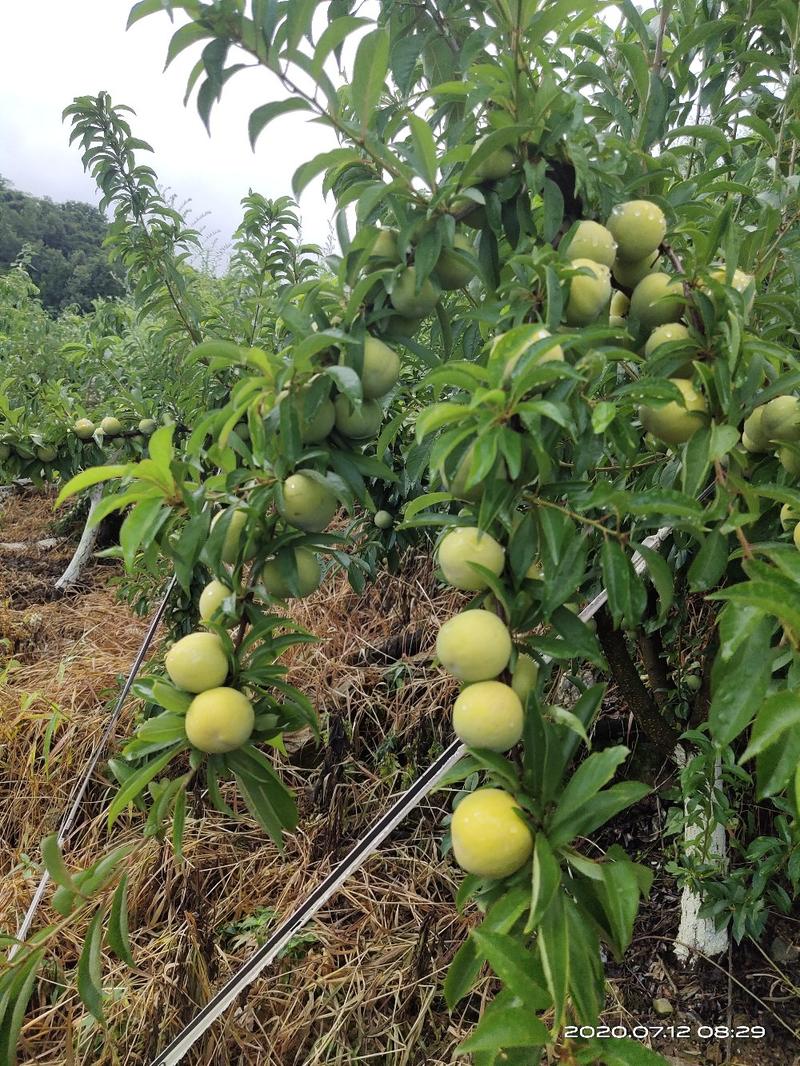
(13, 1004)
(709, 564)
(510, 1027)
(369, 73)
(545, 882)
(736, 623)
(262, 116)
(117, 933)
(93, 476)
(178, 825)
(334, 35)
(258, 803)
(139, 780)
(603, 807)
(626, 597)
(739, 686)
(553, 944)
(90, 977)
(54, 863)
(777, 714)
(593, 773)
(620, 900)
(513, 964)
(660, 575)
(424, 148)
(618, 1051)
(140, 528)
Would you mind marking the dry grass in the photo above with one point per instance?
(364, 985)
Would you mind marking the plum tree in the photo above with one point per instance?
(359, 422)
(275, 580)
(219, 720)
(674, 423)
(461, 547)
(381, 368)
(588, 293)
(197, 662)
(591, 241)
(451, 271)
(211, 599)
(307, 504)
(84, 429)
(488, 715)
(474, 645)
(407, 301)
(638, 227)
(490, 836)
(656, 300)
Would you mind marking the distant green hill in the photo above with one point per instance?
(68, 262)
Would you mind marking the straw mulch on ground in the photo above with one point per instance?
(362, 983)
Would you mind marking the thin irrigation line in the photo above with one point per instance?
(354, 859)
(79, 790)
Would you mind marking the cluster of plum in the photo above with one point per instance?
(111, 426)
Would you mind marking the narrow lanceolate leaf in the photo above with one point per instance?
(509, 1027)
(262, 116)
(468, 960)
(593, 773)
(513, 964)
(139, 780)
(553, 944)
(93, 476)
(90, 977)
(739, 686)
(545, 882)
(260, 808)
(178, 825)
(778, 714)
(620, 900)
(54, 863)
(424, 148)
(14, 1002)
(369, 73)
(118, 923)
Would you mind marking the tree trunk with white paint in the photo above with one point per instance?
(85, 546)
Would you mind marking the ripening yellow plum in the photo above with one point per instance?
(307, 504)
(211, 599)
(754, 431)
(197, 662)
(147, 426)
(780, 419)
(385, 246)
(619, 306)
(452, 272)
(588, 294)
(464, 545)
(525, 676)
(657, 299)
(669, 333)
(591, 241)
(555, 353)
(111, 426)
(789, 515)
(672, 423)
(233, 535)
(380, 370)
(638, 227)
(490, 839)
(630, 274)
(788, 458)
(83, 429)
(489, 715)
(316, 428)
(457, 483)
(219, 720)
(407, 301)
(308, 575)
(739, 281)
(474, 645)
(796, 536)
(358, 423)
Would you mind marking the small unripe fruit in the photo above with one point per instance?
(385, 246)
(452, 272)
(211, 599)
(630, 274)
(320, 424)
(407, 301)
(525, 677)
(233, 535)
(488, 715)
(672, 423)
(670, 333)
(197, 662)
(307, 504)
(692, 682)
(638, 227)
(474, 645)
(739, 281)
(780, 420)
(457, 483)
(619, 306)
(46, 454)
(788, 516)
(147, 426)
(308, 575)
(588, 295)
(490, 839)
(754, 431)
(383, 520)
(219, 720)
(592, 241)
(751, 446)
(380, 370)
(788, 458)
(475, 216)
(83, 429)
(657, 299)
(553, 354)
(495, 166)
(111, 426)
(465, 545)
(358, 423)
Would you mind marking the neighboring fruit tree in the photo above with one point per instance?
(575, 312)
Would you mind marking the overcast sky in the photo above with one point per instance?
(54, 50)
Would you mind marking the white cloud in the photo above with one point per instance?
(52, 51)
